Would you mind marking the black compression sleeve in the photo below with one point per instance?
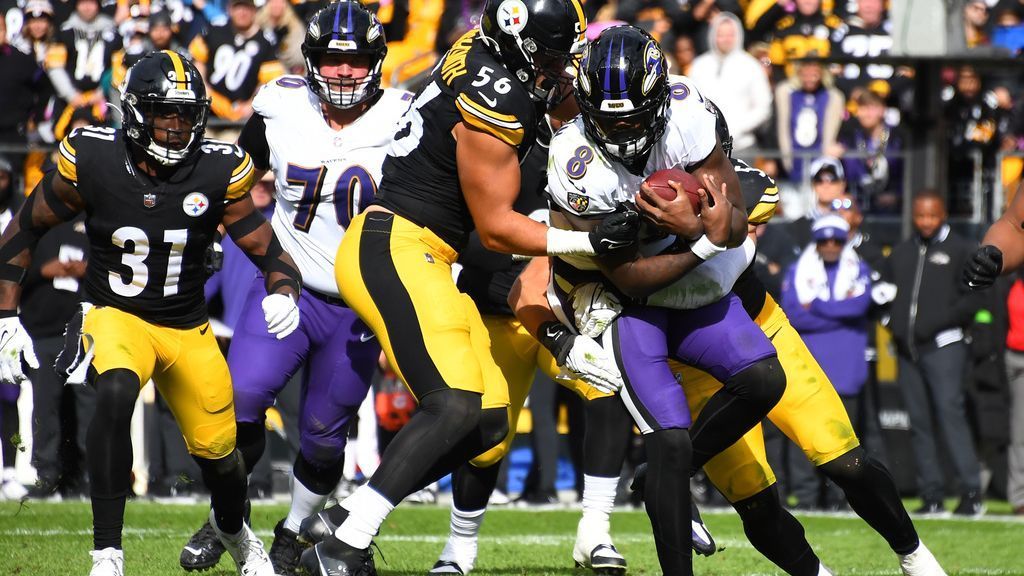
(253, 140)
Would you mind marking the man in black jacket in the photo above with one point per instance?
(928, 317)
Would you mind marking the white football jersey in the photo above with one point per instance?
(323, 177)
(584, 180)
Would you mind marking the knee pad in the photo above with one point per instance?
(496, 434)
(457, 410)
(762, 383)
(848, 467)
(116, 392)
(669, 442)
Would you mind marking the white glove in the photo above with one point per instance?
(281, 314)
(15, 344)
(594, 308)
(590, 362)
(883, 292)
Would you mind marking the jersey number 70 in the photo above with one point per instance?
(353, 192)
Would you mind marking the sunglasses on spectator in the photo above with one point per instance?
(842, 204)
(836, 241)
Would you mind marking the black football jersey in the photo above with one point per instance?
(148, 236)
(760, 196)
(420, 179)
(85, 55)
(233, 62)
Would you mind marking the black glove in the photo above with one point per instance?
(983, 268)
(557, 338)
(213, 260)
(617, 231)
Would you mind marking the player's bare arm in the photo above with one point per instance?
(1002, 249)
(251, 232)
(528, 296)
(54, 201)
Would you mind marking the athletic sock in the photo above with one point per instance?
(598, 502)
(367, 511)
(305, 503)
(464, 529)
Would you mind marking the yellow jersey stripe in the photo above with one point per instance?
(66, 163)
(504, 120)
(762, 213)
(580, 16)
(241, 183)
(67, 149)
(179, 69)
(242, 167)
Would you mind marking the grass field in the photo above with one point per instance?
(48, 539)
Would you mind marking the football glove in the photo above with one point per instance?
(594, 308)
(15, 344)
(213, 259)
(581, 356)
(617, 231)
(983, 267)
(281, 314)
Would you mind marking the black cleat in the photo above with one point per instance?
(604, 559)
(319, 526)
(285, 551)
(446, 567)
(203, 550)
(700, 537)
(332, 557)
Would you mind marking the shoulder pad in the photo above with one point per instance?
(491, 101)
(243, 171)
(760, 194)
(272, 96)
(580, 180)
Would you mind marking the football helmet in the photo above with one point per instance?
(537, 38)
(722, 129)
(344, 27)
(164, 84)
(623, 93)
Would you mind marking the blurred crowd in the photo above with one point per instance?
(810, 98)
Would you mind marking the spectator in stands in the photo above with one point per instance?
(976, 23)
(734, 80)
(50, 297)
(37, 32)
(867, 34)
(1008, 31)
(805, 32)
(809, 112)
(776, 252)
(1015, 375)
(22, 83)
(874, 170)
(289, 31)
(828, 183)
(76, 62)
(928, 317)
(973, 120)
(235, 60)
(683, 54)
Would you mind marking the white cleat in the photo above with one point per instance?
(823, 570)
(10, 488)
(598, 554)
(107, 562)
(920, 562)
(246, 549)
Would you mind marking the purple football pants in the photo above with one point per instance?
(339, 354)
(719, 338)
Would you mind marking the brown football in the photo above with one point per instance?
(659, 183)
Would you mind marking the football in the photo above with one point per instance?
(659, 183)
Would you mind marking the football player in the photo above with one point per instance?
(1002, 249)
(324, 136)
(810, 412)
(453, 166)
(154, 193)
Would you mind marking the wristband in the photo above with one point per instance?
(705, 249)
(557, 338)
(8, 313)
(569, 242)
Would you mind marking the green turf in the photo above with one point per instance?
(44, 539)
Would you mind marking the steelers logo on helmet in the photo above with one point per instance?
(654, 67)
(195, 204)
(512, 16)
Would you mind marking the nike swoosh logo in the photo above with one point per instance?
(492, 102)
(204, 329)
(4, 338)
(364, 337)
(193, 551)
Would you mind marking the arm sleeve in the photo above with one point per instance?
(253, 140)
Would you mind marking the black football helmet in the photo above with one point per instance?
(536, 38)
(722, 129)
(164, 84)
(344, 27)
(623, 93)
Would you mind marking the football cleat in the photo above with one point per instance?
(319, 526)
(446, 567)
(700, 537)
(602, 559)
(285, 551)
(920, 562)
(332, 557)
(107, 562)
(246, 550)
(203, 550)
